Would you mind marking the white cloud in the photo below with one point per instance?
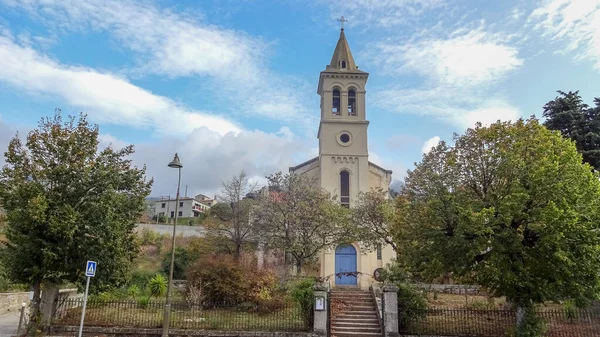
(401, 142)
(468, 59)
(458, 70)
(430, 143)
(208, 159)
(575, 22)
(174, 44)
(106, 97)
(448, 104)
(383, 13)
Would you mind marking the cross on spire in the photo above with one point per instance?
(342, 20)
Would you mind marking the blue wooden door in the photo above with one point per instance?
(345, 261)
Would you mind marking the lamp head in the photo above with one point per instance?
(175, 163)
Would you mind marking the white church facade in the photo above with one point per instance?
(342, 167)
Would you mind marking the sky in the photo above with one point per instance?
(231, 84)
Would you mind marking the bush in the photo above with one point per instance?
(532, 325)
(180, 265)
(141, 278)
(412, 305)
(220, 279)
(133, 291)
(150, 237)
(158, 285)
(303, 293)
(143, 302)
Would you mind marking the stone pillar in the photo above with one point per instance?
(320, 316)
(49, 296)
(390, 311)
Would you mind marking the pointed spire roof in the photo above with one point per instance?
(342, 59)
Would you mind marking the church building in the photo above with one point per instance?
(342, 167)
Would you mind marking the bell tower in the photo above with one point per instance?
(343, 147)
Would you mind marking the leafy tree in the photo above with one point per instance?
(373, 215)
(577, 121)
(301, 219)
(511, 207)
(230, 217)
(67, 202)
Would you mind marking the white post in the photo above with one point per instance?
(87, 286)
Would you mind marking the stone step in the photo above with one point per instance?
(357, 314)
(355, 334)
(361, 324)
(355, 329)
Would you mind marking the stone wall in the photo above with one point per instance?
(138, 332)
(460, 289)
(182, 229)
(13, 301)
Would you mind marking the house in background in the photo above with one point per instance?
(188, 207)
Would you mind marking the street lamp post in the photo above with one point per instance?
(173, 164)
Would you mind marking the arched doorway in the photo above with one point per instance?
(345, 261)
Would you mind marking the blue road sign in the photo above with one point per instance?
(90, 269)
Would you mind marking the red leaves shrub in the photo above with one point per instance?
(221, 279)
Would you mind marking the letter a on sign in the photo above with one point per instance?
(90, 269)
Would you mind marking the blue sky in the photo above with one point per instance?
(231, 84)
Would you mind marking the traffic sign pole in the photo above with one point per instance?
(87, 287)
(90, 271)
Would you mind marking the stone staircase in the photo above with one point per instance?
(353, 314)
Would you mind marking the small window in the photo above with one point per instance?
(163, 205)
(172, 214)
(179, 213)
(181, 204)
(351, 102)
(379, 251)
(343, 64)
(335, 109)
(345, 188)
(345, 138)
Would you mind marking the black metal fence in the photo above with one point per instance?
(500, 323)
(285, 316)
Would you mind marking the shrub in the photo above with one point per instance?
(158, 285)
(303, 293)
(150, 237)
(133, 291)
(143, 302)
(180, 265)
(412, 305)
(222, 279)
(219, 279)
(532, 325)
(141, 278)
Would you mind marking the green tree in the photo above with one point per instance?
(577, 121)
(67, 202)
(511, 207)
(230, 217)
(373, 215)
(301, 219)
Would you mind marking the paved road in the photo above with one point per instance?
(9, 323)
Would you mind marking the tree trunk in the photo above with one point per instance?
(520, 315)
(299, 265)
(34, 313)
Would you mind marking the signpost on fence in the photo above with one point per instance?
(90, 271)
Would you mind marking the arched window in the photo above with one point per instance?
(351, 102)
(343, 64)
(335, 109)
(345, 188)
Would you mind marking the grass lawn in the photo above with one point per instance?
(130, 314)
(476, 315)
